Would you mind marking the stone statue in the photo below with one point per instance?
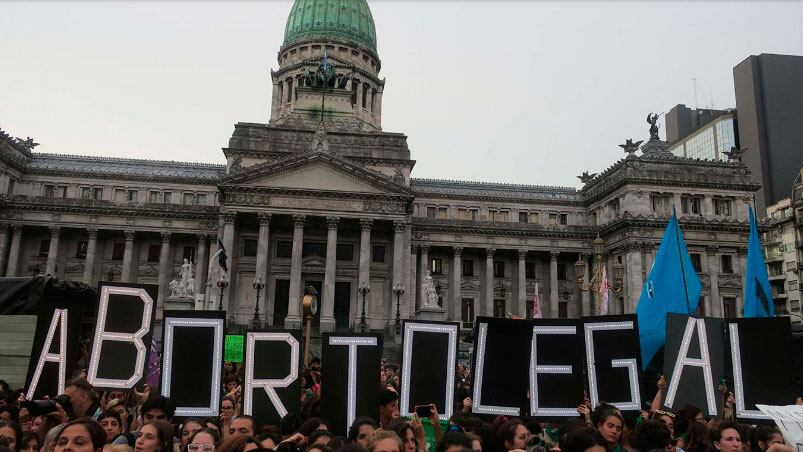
(430, 298)
(585, 178)
(186, 287)
(652, 120)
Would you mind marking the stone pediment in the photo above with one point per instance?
(316, 171)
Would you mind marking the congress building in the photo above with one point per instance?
(321, 198)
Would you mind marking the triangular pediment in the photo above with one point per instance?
(316, 171)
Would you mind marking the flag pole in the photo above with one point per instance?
(680, 256)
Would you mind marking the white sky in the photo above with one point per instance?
(527, 92)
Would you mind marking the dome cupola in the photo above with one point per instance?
(348, 21)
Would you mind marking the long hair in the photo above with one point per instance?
(164, 431)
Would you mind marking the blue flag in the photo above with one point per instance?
(672, 286)
(222, 258)
(757, 294)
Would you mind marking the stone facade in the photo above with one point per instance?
(328, 201)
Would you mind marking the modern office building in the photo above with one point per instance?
(769, 99)
(333, 205)
(701, 134)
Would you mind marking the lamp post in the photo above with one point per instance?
(111, 274)
(222, 284)
(258, 285)
(398, 289)
(364, 289)
(596, 276)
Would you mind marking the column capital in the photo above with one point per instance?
(92, 233)
(741, 251)
(16, 228)
(129, 235)
(264, 218)
(166, 236)
(553, 255)
(203, 237)
(229, 217)
(458, 251)
(522, 254)
(585, 257)
(365, 224)
(711, 250)
(298, 221)
(332, 222)
(489, 252)
(55, 230)
(398, 225)
(424, 248)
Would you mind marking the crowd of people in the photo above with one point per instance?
(85, 420)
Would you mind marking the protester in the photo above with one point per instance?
(361, 429)
(82, 399)
(512, 435)
(388, 407)
(243, 425)
(81, 435)
(119, 405)
(233, 443)
(764, 436)
(9, 412)
(585, 440)
(188, 428)
(30, 442)
(158, 408)
(11, 433)
(412, 436)
(727, 437)
(608, 421)
(696, 438)
(155, 436)
(454, 442)
(384, 441)
(204, 440)
(228, 410)
(111, 423)
(651, 435)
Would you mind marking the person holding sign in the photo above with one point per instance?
(608, 421)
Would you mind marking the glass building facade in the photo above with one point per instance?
(709, 142)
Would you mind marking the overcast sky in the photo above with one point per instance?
(526, 92)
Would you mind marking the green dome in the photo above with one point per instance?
(340, 20)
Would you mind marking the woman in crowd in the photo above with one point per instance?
(111, 423)
(609, 423)
(585, 440)
(155, 436)
(204, 440)
(384, 441)
(513, 435)
(413, 439)
(228, 410)
(764, 436)
(234, 443)
(685, 416)
(12, 435)
(30, 442)
(696, 438)
(667, 417)
(726, 437)
(189, 428)
(81, 435)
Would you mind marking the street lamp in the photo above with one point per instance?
(398, 289)
(596, 279)
(364, 289)
(258, 285)
(222, 284)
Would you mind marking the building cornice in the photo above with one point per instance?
(98, 207)
(431, 225)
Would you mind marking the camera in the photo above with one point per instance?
(40, 407)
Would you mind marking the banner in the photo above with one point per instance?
(694, 362)
(122, 335)
(54, 350)
(556, 369)
(192, 361)
(789, 419)
(272, 385)
(351, 365)
(428, 378)
(613, 361)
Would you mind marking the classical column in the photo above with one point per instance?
(398, 264)
(585, 296)
(634, 276)
(369, 96)
(553, 284)
(378, 106)
(328, 307)
(14, 250)
(365, 257)
(359, 95)
(89, 261)
(53, 251)
(262, 247)
(413, 289)
(489, 282)
(457, 280)
(424, 269)
(522, 285)
(200, 264)
(3, 244)
(293, 319)
(128, 255)
(275, 102)
(164, 266)
(292, 89)
(229, 223)
(714, 307)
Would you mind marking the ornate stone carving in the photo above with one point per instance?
(298, 221)
(92, 233)
(553, 255)
(384, 206)
(585, 178)
(522, 254)
(264, 218)
(424, 248)
(332, 222)
(55, 231)
(489, 252)
(430, 295)
(16, 228)
(630, 147)
(398, 226)
(166, 235)
(365, 224)
(167, 223)
(131, 221)
(458, 251)
(229, 217)
(711, 250)
(129, 235)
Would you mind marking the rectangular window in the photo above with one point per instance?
(61, 192)
(250, 247)
(201, 199)
(49, 191)
(467, 311)
(132, 195)
(313, 249)
(493, 215)
(529, 270)
(499, 308)
(660, 204)
(378, 254)
(553, 218)
(284, 249)
(97, 192)
(118, 251)
(561, 272)
(119, 195)
(443, 213)
(727, 263)
(80, 250)
(345, 252)
(792, 285)
(189, 253)
(431, 211)
(499, 269)
(691, 205)
(523, 217)
(44, 247)
(468, 267)
(564, 219)
(188, 199)
(729, 307)
(153, 252)
(467, 213)
(533, 217)
(153, 196)
(436, 266)
(722, 207)
(696, 262)
(504, 215)
(86, 192)
(790, 266)
(167, 197)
